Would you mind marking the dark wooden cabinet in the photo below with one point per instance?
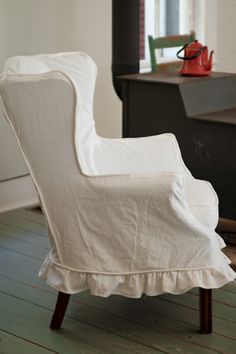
(200, 111)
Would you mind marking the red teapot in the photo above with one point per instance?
(196, 61)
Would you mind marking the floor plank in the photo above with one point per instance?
(94, 325)
(27, 236)
(26, 319)
(219, 295)
(29, 268)
(23, 247)
(125, 317)
(152, 312)
(187, 300)
(30, 215)
(23, 224)
(10, 344)
(230, 287)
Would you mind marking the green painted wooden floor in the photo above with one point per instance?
(93, 325)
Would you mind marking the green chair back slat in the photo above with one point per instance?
(167, 42)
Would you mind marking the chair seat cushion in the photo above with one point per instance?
(202, 201)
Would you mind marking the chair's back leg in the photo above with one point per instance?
(205, 310)
(60, 310)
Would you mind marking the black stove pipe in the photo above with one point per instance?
(125, 39)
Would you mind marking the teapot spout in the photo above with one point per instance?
(210, 61)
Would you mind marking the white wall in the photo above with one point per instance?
(226, 35)
(46, 26)
(205, 22)
(216, 27)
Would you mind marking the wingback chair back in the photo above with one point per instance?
(46, 129)
(82, 71)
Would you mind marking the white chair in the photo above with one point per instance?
(125, 216)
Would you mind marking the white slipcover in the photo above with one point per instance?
(125, 215)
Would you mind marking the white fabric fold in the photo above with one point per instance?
(134, 285)
(118, 214)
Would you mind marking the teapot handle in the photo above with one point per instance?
(193, 56)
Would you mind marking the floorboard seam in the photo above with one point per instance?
(168, 333)
(18, 252)
(194, 309)
(23, 229)
(86, 323)
(19, 240)
(28, 219)
(27, 340)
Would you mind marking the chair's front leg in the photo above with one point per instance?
(205, 310)
(60, 310)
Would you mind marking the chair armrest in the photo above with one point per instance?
(147, 155)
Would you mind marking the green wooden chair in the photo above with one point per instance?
(167, 42)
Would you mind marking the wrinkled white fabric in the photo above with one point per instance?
(119, 210)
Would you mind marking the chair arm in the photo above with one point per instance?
(152, 154)
(159, 193)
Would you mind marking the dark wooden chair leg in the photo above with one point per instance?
(60, 310)
(205, 310)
